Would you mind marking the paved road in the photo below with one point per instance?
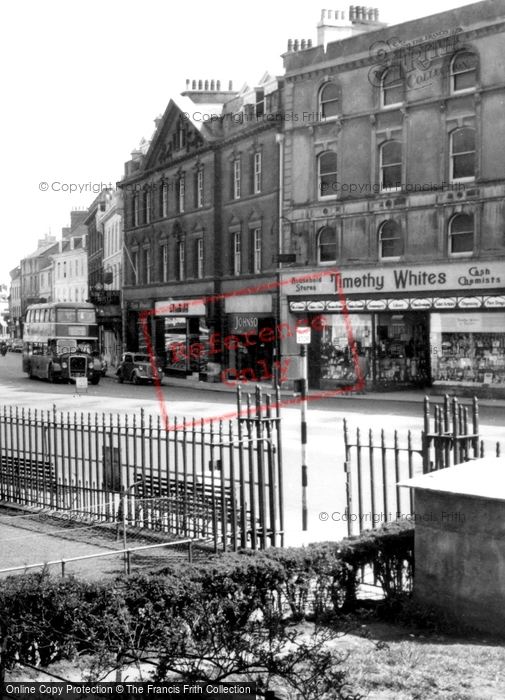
(326, 491)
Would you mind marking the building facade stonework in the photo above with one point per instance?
(394, 178)
(201, 211)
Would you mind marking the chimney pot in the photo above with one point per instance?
(290, 44)
(352, 11)
(303, 44)
(187, 83)
(230, 85)
(295, 45)
(212, 85)
(309, 44)
(376, 14)
(218, 84)
(193, 85)
(200, 85)
(206, 84)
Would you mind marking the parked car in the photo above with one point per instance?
(137, 368)
(17, 345)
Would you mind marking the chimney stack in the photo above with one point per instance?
(336, 25)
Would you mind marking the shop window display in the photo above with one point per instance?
(468, 350)
(337, 363)
(393, 351)
(401, 353)
(182, 335)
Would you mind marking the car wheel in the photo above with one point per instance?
(135, 378)
(94, 381)
(120, 378)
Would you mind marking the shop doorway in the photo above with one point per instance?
(253, 358)
(401, 351)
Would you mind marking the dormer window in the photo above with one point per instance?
(329, 103)
(260, 103)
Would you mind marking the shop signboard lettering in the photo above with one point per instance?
(398, 304)
(445, 303)
(494, 302)
(298, 306)
(421, 303)
(239, 323)
(412, 278)
(315, 306)
(376, 304)
(180, 307)
(356, 304)
(470, 303)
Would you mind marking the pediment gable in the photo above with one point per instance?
(178, 134)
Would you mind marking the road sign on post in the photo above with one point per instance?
(303, 335)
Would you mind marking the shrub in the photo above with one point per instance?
(177, 611)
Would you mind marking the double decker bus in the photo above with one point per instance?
(61, 342)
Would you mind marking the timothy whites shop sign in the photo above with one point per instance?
(401, 278)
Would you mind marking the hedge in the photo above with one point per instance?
(44, 618)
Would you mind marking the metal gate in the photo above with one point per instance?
(217, 480)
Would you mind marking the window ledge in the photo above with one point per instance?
(462, 180)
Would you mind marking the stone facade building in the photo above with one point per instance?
(394, 189)
(201, 215)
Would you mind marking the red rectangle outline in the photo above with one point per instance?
(144, 315)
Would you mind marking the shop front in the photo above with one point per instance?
(183, 333)
(249, 344)
(412, 326)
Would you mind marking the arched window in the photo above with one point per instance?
(327, 174)
(329, 100)
(391, 242)
(461, 234)
(463, 154)
(463, 71)
(391, 87)
(391, 165)
(327, 245)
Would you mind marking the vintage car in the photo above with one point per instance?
(136, 368)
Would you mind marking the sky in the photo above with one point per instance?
(83, 81)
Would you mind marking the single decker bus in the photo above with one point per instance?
(61, 342)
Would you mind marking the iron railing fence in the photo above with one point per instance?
(210, 478)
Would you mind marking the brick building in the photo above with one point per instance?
(394, 175)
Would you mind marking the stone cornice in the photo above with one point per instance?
(346, 64)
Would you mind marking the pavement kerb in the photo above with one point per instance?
(403, 396)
